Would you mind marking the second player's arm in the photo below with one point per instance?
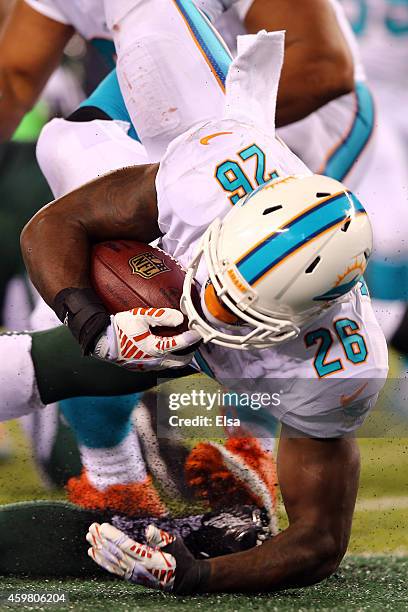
(31, 47)
(318, 65)
(56, 243)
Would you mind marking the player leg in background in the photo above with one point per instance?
(105, 97)
(336, 140)
(46, 367)
(114, 475)
(171, 68)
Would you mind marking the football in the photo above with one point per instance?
(128, 274)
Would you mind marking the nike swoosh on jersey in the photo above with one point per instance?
(206, 139)
(348, 399)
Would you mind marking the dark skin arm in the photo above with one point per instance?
(31, 47)
(56, 242)
(319, 482)
(318, 65)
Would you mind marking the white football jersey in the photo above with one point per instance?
(329, 376)
(382, 30)
(322, 393)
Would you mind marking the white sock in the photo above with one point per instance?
(117, 465)
(18, 388)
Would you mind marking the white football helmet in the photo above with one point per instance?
(284, 253)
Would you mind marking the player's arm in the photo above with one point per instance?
(318, 480)
(56, 242)
(318, 65)
(31, 47)
(56, 247)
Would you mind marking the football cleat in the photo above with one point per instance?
(241, 471)
(229, 531)
(135, 499)
(207, 535)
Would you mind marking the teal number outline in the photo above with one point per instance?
(230, 165)
(347, 340)
(326, 337)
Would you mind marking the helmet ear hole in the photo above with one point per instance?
(346, 225)
(313, 265)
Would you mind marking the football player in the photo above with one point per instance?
(279, 255)
(74, 152)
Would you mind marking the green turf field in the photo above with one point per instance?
(372, 584)
(374, 576)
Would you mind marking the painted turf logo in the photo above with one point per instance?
(147, 265)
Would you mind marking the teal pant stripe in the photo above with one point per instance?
(213, 47)
(342, 159)
(203, 365)
(387, 280)
(108, 98)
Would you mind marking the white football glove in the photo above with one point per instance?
(129, 341)
(163, 563)
(138, 563)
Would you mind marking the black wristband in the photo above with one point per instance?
(192, 575)
(83, 312)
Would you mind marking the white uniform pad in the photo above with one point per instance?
(253, 80)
